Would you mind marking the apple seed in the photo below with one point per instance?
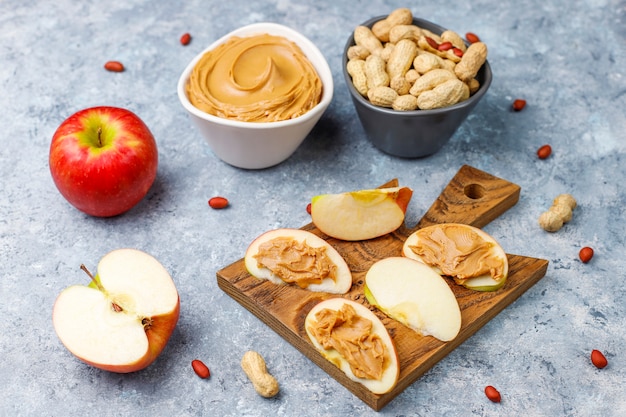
(146, 322)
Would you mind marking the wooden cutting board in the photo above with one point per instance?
(472, 197)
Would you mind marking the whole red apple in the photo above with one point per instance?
(103, 160)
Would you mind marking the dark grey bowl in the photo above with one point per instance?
(417, 133)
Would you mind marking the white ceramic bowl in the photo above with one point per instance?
(254, 145)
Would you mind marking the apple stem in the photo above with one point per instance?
(100, 136)
(84, 268)
(115, 306)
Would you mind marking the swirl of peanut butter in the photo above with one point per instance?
(261, 78)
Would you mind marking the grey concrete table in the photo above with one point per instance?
(566, 59)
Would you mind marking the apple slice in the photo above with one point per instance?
(295, 256)
(374, 336)
(469, 255)
(413, 294)
(123, 320)
(360, 215)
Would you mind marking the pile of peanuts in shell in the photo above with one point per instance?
(399, 65)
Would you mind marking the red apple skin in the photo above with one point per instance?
(404, 197)
(158, 335)
(108, 178)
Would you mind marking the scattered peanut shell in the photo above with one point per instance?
(550, 221)
(559, 213)
(255, 368)
(565, 199)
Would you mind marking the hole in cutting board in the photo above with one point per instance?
(474, 191)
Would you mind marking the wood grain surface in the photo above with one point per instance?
(472, 197)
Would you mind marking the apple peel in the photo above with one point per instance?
(342, 282)
(103, 160)
(123, 320)
(391, 371)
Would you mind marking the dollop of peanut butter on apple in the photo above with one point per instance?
(458, 252)
(296, 262)
(261, 78)
(351, 335)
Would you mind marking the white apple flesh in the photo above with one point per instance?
(390, 373)
(343, 279)
(124, 319)
(413, 294)
(360, 215)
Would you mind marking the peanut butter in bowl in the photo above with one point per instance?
(260, 78)
(256, 93)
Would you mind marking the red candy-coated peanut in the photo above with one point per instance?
(114, 66)
(544, 152)
(492, 394)
(200, 369)
(598, 359)
(472, 38)
(185, 39)
(519, 104)
(308, 208)
(585, 254)
(218, 203)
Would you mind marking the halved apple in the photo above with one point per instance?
(296, 256)
(413, 294)
(121, 321)
(469, 255)
(360, 215)
(334, 318)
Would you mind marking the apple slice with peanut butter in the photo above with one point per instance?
(298, 257)
(351, 337)
(468, 255)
